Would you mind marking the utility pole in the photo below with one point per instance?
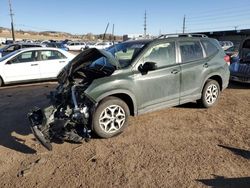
(12, 24)
(184, 24)
(145, 24)
(113, 34)
(104, 35)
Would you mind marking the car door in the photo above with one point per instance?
(77, 46)
(193, 65)
(71, 46)
(51, 62)
(22, 67)
(160, 86)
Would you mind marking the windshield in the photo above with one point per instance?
(125, 52)
(9, 55)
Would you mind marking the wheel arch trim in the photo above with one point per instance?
(120, 92)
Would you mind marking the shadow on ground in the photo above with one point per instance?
(222, 182)
(14, 106)
(238, 85)
(243, 153)
(190, 105)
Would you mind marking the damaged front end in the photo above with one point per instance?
(68, 118)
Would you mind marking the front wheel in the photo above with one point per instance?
(1, 82)
(210, 94)
(110, 117)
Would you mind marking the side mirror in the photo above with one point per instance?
(148, 66)
(8, 62)
(124, 50)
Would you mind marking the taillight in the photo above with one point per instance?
(227, 59)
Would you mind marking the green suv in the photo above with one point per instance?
(98, 89)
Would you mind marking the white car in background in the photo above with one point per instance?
(103, 45)
(226, 44)
(31, 64)
(76, 46)
(100, 45)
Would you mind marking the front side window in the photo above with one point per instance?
(162, 54)
(190, 51)
(25, 57)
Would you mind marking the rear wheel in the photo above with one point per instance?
(210, 94)
(110, 117)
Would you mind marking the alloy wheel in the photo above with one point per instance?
(112, 118)
(211, 94)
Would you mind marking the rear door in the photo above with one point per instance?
(22, 67)
(51, 62)
(193, 65)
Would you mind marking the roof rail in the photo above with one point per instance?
(182, 35)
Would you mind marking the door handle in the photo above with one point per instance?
(61, 61)
(33, 64)
(174, 71)
(205, 65)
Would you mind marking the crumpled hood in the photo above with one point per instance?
(88, 56)
(83, 60)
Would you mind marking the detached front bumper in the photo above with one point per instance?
(39, 127)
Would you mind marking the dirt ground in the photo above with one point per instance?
(183, 146)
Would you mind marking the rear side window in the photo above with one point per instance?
(209, 47)
(190, 51)
(50, 55)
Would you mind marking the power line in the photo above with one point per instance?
(216, 22)
(211, 12)
(219, 17)
(217, 28)
(33, 27)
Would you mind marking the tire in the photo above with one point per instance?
(210, 94)
(110, 118)
(1, 82)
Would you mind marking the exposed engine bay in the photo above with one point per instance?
(68, 118)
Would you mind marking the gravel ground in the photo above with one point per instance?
(183, 146)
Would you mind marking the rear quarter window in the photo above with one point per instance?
(209, 47)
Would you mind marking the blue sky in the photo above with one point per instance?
(164, 16)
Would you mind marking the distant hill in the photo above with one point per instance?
(57, 35)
